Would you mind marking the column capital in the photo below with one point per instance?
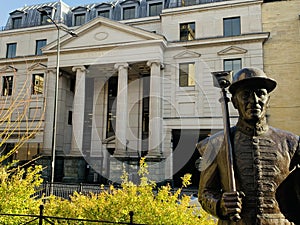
(123, 65)
(81, 68)
(156, 62)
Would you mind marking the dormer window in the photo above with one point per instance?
(17, 22)
(104, 13)
(129, 13)
(104, 10)
(79, 19)
(17, 19)
(47, 12)
(79, 15)
(154, 8)
(130, 9)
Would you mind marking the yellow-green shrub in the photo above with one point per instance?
(163, 207)
(17, 189)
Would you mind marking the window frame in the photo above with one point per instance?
(77, 14)
(151, 3)
(11, 53)
(7, 86)
(190, 78)
(104, 10)
(41, 86)
(20, 21)
(38, 50)
(229, 26)
(187, 31)
(232, 67)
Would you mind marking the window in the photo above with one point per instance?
(187, 31)
(155, 8)
(79, 19)
(111, 106)
(232, 65)
(11, 50)
(39, 45)
(7, 85)
(186, 74)
(70, 118)
(37, 84)
(231, 26)
(17, 22)
(104, 13)
(129, 13)
(188, 2)
(45, 20)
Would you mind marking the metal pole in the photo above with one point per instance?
(55, 109)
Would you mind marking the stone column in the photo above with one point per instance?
(155, 109)
(78, 111)
(122, 114)
(49, 111)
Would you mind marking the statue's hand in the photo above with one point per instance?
(231, 205)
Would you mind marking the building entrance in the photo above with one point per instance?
(185, 154)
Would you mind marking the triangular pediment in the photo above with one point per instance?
(103, 5)
(187, 54)
(8, 69)
(103, 32)
(232, 50)
(37, 66)
(79, 9)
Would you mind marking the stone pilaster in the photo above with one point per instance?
(78, 111)
(122, 114)
(155, 109)
(49, 112)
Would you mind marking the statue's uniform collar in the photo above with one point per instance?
(252, 130)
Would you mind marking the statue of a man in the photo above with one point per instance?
(263, 159)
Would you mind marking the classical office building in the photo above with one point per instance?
(135, 81)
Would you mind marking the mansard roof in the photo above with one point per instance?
(64, 13)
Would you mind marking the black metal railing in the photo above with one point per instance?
(41, 218)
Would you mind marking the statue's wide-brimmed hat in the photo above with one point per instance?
(251, 77)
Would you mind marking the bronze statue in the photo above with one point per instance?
(265, 161)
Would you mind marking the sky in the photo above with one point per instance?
(11, 5)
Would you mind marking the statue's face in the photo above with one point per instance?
(251, 103)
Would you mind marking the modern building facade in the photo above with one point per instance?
(136, 81)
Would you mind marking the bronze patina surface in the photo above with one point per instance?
(265, 160)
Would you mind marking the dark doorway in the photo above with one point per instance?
(185, 154)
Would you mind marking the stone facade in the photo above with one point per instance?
(104, 126)
(282, 61)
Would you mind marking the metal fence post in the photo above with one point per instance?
(80, 188)
(131, 217)
(41, 215)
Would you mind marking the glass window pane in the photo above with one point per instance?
(129, 13)
(39, 45)
(232, 65)
(7, 85)
(155, 9)
(37, 84)
(16, 22)
(186, 74)
(11, 50)
(231, 26)
(236, 28)
(104, 13)
(79, 19)
(187, 31)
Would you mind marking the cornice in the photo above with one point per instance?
(244, 38)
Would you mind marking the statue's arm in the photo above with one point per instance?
(209, 185)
